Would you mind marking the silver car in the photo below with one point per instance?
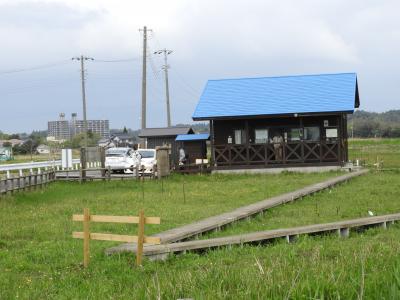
(122, 160)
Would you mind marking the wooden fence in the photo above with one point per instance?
(26, 182)
(140, 238)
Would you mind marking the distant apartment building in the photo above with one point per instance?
(62, 130)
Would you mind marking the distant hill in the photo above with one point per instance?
(371, 124)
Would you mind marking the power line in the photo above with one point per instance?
(40, 67)
(186, 84)
(117, 60)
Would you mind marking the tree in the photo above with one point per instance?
(27, 147)
(79, 140)
(125, 130)
(7, 144)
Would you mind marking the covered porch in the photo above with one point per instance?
(279, 142)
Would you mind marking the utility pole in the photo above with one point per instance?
(82, 60)
(165, 67)
(144, 69)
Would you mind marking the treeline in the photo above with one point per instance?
(365, 124)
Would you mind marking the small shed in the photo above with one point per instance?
(195, 145)
(6, 153)
(165, 136)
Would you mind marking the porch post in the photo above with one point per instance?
(246, 122)
(340, 133)
(213, 162)
(302, 139)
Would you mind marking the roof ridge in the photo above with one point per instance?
(286, 76)
(170, 127)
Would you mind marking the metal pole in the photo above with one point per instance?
(167, 89)
(144, 78)
(85, 127)
(84, 100)
(166, 67)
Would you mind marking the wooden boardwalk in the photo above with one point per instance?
(195, 229)
(342, 228)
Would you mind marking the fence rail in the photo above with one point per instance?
(26, 182)
(140, 238)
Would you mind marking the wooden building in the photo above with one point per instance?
(194, 145)
(279, 121)
(164, 136)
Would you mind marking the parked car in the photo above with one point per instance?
(148, 160)
(122, 160)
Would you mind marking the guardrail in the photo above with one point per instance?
(52, 164)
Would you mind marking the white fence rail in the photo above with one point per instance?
(38, 166)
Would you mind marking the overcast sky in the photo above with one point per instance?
(211, 39)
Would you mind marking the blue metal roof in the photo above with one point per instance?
(193, 137)
(278, 95)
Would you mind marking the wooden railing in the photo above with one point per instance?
(289, 153)
(140, 238)
(26, 182)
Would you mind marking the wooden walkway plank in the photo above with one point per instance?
(216, 222)
(161, 251)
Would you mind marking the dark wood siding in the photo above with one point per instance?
(153, 142)
(297, 149)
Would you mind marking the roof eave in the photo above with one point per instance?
(287, 115)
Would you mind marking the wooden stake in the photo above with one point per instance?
(139, 251)
(86, 237)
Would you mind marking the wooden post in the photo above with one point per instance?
(86, 237)
(35, 180)
(103, 163)
(109, 173)
(6, 185)
(139, 252)
(83, 164)
(12, 185)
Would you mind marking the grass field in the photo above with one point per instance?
(39, 259)
(372, 150)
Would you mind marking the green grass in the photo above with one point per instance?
(40, 260)
(372, 150)
(377, 192)
(35, 233)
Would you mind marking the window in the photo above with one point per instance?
(240, 136)
(261, 136)
(294, 134)
(311, 134)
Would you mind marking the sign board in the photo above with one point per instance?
(326, 123)
(66, 158)
(331, 133)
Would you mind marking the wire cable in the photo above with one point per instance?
(40, 67)
(117, 60)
